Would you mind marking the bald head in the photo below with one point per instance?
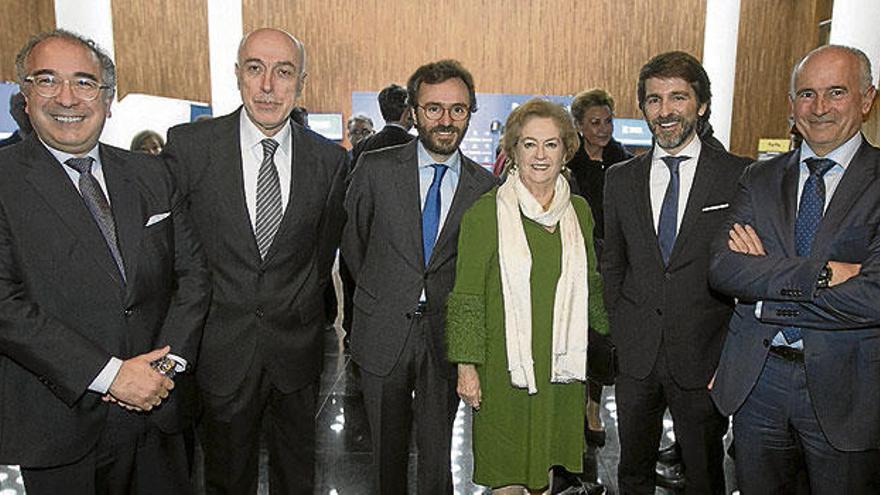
(270, 73)
(836, 51)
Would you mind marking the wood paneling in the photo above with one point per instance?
(773, 35)
(162, 48)
(537, 46)
(21, 19)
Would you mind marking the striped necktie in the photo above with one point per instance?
(269, 209)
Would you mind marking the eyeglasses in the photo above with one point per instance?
(435, 111)
(49, 86)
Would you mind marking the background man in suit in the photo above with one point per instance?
(404, 206)
(101, 279)
(660, 211)
(359, 127)
(398, 122)
(800, 366)
(266, 199)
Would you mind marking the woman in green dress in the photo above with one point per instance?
(526, 290)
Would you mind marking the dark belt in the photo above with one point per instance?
(788, 353)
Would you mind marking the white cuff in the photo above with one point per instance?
(101, 383)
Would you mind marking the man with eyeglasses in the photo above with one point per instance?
(266, 199)
(103, 291)
(404, 207)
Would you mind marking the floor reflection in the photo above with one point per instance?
(343, 440)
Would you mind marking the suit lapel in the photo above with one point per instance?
(54, 186)
(859, 175)
(226, 157)
(406, 180)
(127, 210)
(302, 186)
(642, 202)
(465, 195)
(704, 180)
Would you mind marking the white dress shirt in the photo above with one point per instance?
(252, 158)
(660, 177)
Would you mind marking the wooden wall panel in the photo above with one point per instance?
(538, 46)
(773, 35)
(162, 48)
(21, 19)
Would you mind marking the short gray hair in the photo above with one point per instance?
(108, 69)
(865, 78)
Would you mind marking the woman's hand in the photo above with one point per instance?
(469, 385)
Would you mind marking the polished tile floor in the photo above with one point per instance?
(344, 452)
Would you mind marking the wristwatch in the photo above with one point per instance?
(165, 366)
(825, 275)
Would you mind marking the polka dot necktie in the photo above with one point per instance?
(810, 211)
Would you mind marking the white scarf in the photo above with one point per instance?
(569, 359)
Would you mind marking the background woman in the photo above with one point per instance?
(526, 289)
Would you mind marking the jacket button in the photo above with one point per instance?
(667, 276)
(259, 312)
(658, 311)
(128, 312)
(766, 343)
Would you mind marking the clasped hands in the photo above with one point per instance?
(138, 386)
(744, 239)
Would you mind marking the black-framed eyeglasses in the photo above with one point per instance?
(49, 86)
(435, 111)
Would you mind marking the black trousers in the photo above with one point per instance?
(699, 430)
(131, 457)
(391, 409)
(230, 436)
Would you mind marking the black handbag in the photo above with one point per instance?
(601, 358)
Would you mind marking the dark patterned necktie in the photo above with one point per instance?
(431, 212)
(810, 211)
(668, 223)
(269, 210)
(96, 202)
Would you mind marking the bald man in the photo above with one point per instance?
(266, 199)
(800, 367)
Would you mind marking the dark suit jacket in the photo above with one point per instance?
(390, 135)
(841, 325)
(382, 244)
(64, 310)
(649, 303)
(270, 310)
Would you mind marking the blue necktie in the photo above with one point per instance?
(431, 211)
(667, 226)
(809, 215)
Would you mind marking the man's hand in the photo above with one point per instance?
(138, 386)
(841, 272)
(744, 240)
(469, 385)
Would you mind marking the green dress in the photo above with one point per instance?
(517, 437)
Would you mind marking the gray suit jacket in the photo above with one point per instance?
(382, 244)
(841, 325)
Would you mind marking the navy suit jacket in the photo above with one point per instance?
(841, 325)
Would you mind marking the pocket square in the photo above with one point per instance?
(720, 206)
(158, 217)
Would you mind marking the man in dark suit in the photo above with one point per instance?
(103, 291)
(266, 199)
(398, 122)
(800, 369)
(660, 211)
(404, 206)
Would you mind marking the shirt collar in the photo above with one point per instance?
(692, 149)
(62, 156)
(251, 136)
(841, 155)
(425, 160)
